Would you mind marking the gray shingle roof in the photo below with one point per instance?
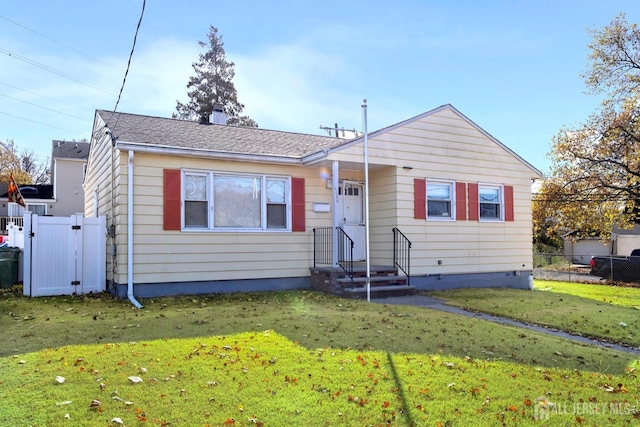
(70, 149)
(157, 131)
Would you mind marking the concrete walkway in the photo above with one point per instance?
(439, 304)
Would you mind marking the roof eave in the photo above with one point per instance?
(203, 153)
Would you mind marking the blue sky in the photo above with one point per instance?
(513, 67)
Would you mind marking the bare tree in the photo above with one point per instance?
(24, 165)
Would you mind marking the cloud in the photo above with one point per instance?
(158, 77)
(293, 87)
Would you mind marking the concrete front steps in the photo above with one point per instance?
(384, 282)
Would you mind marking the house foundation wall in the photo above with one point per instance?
(151, 290)
(437, 282)
(516, 280)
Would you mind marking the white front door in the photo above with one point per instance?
(352, 203)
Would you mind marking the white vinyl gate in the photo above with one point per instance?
(64, 255)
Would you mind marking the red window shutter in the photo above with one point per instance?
(172, 199)
(461, 201)
(297, 204)
(474, 208)
(508, 203)
(419, 198)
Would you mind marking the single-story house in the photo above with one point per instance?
(206, 207)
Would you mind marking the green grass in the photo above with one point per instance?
(262, 378)
(625, 296)
(313, 319)
(599, 311)
(294, 358)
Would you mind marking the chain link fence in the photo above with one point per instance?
(565, 268)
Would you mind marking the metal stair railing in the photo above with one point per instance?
(402, 252)
(345, 252)
(322, 246)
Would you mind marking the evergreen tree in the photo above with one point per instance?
(213, 84)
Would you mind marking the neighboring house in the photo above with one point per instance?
(63, 197)
(38, 198)
(621, 242)
(580, 251)
(202, 208)
(68, 166)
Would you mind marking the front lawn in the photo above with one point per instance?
(600, 311)
(294, 358)
(262, 378)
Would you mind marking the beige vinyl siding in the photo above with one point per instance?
(99, 177)
(382, 214)
(445, 146)
(178, 256)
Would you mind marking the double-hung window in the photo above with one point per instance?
(222, 201)
(440, 200)
(491, 202)
(196, 202)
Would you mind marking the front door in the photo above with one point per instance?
(352, 203)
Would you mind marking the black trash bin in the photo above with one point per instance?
(9, 263)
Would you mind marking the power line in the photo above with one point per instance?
(52, 70)
(44, 108)
(37, 122)
(135, 37)
(56, 41)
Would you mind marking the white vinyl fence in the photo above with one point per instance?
(64, 255)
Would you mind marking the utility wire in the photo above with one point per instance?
(56, 41)
(39, 96)
(44, 108)
(52, 70)
(135, 38)
(37, 122)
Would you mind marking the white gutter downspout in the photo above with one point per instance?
(130, 232)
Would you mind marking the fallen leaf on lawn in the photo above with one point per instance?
(117, 420)
(135, 380)
(67, 416)
(22, 362)
(95, 403)
(66, 402)
(59, 379)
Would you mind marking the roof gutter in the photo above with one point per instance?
(199, 153)
(130, 232)
(315, 157)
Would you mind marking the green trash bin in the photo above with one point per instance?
(9, 263)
